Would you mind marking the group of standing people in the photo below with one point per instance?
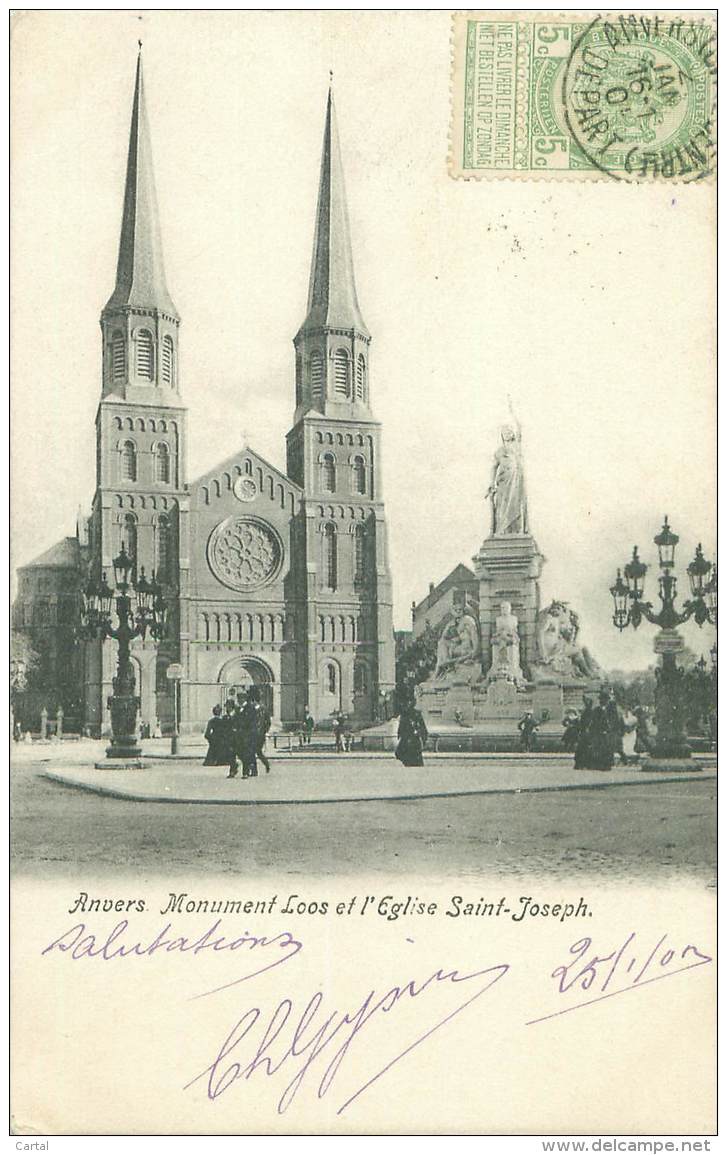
(602, 732)
(236, 736)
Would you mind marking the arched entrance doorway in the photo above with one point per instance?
(241, 673)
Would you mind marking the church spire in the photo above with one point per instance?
(332, 344)
(140, 281)
(332, 299)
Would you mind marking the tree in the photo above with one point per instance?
(23, 660)
(415, 664)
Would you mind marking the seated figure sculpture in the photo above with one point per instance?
(458, 644)
(558, 649)
(506, 647)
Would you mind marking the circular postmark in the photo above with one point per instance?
(639, 94)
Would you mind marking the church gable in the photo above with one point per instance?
(243, 481)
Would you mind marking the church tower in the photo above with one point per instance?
(334, 453)
(140, 495)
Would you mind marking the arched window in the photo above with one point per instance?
(328, 472)
(361, 377)
(359, 474)
(168, 360)
(331, 678)
(118, 356)
(144, 355)
(360, 678)
(316, 376)
(162, 468)
(359, 557)
(128, 461)
(164, 549)
(330, 557)
(340, 373)
(128, 537)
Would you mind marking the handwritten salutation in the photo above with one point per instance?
(304, 1042)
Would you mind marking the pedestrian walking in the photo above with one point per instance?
(247, 733)
(234, 736)
(582, 750)
(338, 733)
(308, 726)
(629, 723)
(644, 741)
(528, 728)
(260, 720)
(603, 735)
(412, 735)
(571, 730)
(216, 734)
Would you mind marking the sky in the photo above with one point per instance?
(591, 305)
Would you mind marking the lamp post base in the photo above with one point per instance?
(123, 749)
(122, 764)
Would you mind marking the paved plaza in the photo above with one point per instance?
(468, 814)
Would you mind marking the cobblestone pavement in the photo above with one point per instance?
(656, 831)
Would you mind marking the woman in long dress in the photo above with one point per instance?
(217, 735)
(412, 736)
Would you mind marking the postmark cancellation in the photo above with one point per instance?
(584, 96)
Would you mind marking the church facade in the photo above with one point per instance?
(275, 578)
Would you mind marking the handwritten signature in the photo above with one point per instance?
(308, 1042)
(314, 1032)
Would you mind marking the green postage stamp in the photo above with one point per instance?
(622, 96)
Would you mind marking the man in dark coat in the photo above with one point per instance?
(246, 733)
(259, 722)
(234, 736)
(308, 726)
(528, 728)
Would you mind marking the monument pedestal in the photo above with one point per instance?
(508, 567)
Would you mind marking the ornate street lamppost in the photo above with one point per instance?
(140, 608)
(630, 609)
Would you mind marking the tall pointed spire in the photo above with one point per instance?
(332, 299)
(140, 280)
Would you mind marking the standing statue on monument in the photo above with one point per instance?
(507, 487)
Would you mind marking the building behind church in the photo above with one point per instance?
(279, 579)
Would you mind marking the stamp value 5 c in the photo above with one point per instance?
(624, 96)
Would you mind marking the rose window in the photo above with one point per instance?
(245, 553)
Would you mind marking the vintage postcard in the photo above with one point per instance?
(363, 649)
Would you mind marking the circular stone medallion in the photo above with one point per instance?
(245, 489)
(245, 553)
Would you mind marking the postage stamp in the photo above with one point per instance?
(584, 96)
